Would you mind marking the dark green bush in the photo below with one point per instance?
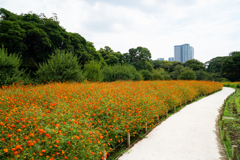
(93, 71)
(147, 75)
(60, 67)
(9, 69)
(238, 85)
(187, 75)
(117, 72)
(136, 75)
(157, 75)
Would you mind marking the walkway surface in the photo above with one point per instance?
(190, 134)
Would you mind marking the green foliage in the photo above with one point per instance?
(9, 69)
(238, 85)
(117, 72)
(60, 67)
(178, 70)
(36, 37)
(215, 64)
(136, 75)
(111, 57)
(202, 75)
(147, 75)
(231, 67)
(138, 54)
(195, 65)
(166, 65)
(93, 71)
(164, 74)
(157, 75)
(174, 64)
(187, 75)
(143, 65)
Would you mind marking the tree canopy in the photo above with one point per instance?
(36, 37)
(194, 64)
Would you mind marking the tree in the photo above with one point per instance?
(195, 65)
(178, 70)
(138, 54)
(215, 64)
(143, 65)
(93, 71)
(202, 75)
(147, 75)
(231, 67)
(162, 64)
(9, 69)
(60, 67)
(111, 57)
(35, 38)
(174, 64)
(187, 75)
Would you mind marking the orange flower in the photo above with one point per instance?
(43, 150)
(57, 141)
(6, 150)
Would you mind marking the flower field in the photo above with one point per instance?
(81, 120)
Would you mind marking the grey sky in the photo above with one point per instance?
(210, 26)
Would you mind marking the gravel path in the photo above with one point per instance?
(190, 134)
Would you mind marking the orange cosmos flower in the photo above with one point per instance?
(5, 150)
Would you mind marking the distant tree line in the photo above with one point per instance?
(36, 49)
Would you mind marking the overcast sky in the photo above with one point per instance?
(212, 27)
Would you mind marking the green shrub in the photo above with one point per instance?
(147, 75)
(136, 75)
(9, 69)
(157, 75)
(93, 71)
(238, 85)
(187, 75)
(60, 67)
(117, 72)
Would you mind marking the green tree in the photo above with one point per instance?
(231, 67)
(202, 75)
(166, 65)
(60, 67)
(93, 71)
(178, 70)
(215, 64)
(147, 75)
(195, 65)
(187, 75)
(35, 38)
(138, 54)
(111, 57)
(9, 69)
(174, 64)
(143, 65)
(157, 75)
(117, 72)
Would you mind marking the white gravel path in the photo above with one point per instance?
(190, 134)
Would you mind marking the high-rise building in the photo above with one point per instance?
(171, 59)
(184, 52)
(161, 59)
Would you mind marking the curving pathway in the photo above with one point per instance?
(190, 134)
